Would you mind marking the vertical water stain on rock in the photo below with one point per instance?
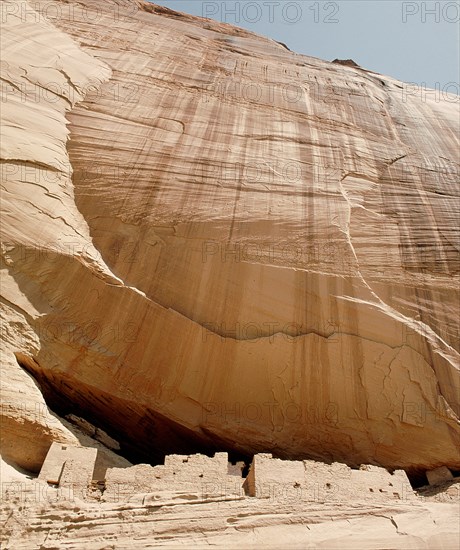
(210, 243)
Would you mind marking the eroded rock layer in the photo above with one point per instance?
(213, 242)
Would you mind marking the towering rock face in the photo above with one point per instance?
(212, 242)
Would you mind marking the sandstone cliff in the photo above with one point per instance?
(210, 242)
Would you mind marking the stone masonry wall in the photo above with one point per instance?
(180, 473)
(81, 461)
(315, 481)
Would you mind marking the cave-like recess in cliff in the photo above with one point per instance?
(148, 436)
(145, 436)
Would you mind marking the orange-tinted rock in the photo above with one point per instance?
(213, 242)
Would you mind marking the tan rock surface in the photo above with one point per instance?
(212, 242)
(232, 523)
